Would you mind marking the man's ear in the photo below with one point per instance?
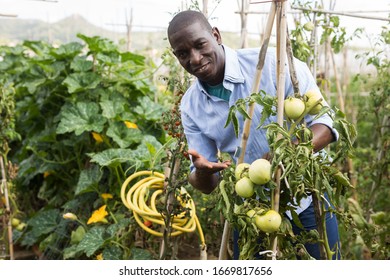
(217, 35)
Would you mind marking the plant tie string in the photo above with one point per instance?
(270, 254)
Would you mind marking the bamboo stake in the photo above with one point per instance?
(247, 123)
(338, 86)
(8, 15)
(352, 114)
(282, 35)
(205, 8)
(291, 64)
(4, 188)
(281, 77)
(256, 83)
(129, 27)
(244, 23)
(350, 167)
(331, 12)
(313, 43)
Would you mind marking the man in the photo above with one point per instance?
(223, 76)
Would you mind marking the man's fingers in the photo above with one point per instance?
(193, 153)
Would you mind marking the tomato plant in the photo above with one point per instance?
(303, 172)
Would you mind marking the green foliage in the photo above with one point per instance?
(303, 36)
(371, 161)
(302, 173)
(7, 117)
(86, 121)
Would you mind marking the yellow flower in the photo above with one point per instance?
(98, 215)
(130, 125)
(100, 257)
(98, 138)
(46, 174)
(69, 216)
(106, 196)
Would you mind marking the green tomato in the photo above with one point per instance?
(15, 222)
(21, 226)
(269, 222)
(244, 187)
(260, 171)
(293, 108)
(241, 170)
(308, 26)
(311, 98)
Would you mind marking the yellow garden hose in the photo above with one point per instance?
(138, 199)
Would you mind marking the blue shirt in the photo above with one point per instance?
(204, 115)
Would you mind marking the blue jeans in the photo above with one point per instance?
(308, 220)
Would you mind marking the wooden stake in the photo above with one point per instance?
(257, 79)
(282, 36)
(350, 167)
(291, 64)
(280, 90)
(338, 86)
(4, 188)
(247, 123)
(244, 23)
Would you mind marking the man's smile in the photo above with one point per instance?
(201, 69)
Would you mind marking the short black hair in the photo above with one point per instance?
(186, 18)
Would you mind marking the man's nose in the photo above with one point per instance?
(195, 57)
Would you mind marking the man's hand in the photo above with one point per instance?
(205, 177)
(203, 165)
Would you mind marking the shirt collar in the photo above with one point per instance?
(232, 66)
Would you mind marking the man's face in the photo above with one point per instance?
(199, 52)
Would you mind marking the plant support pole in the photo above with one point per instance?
(247, 123)
(4, 189)
(281, 77)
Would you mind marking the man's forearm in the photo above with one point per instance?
(322, 136)
(203, 181)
